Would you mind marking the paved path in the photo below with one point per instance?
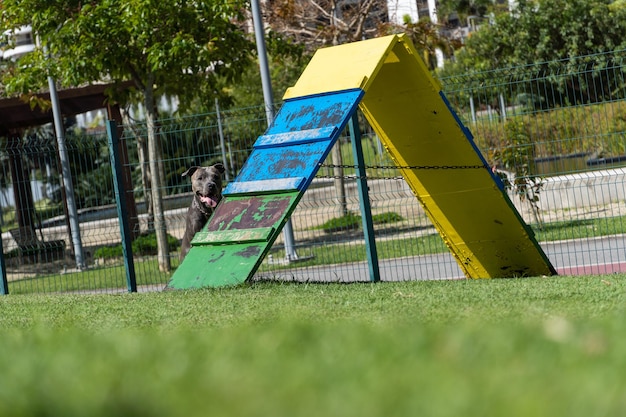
(604, 255)
(600, 255)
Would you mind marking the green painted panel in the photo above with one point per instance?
(228, 236)
(237, 212)
(228, 251)
(218, 266)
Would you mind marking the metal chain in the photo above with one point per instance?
(397, 177)
(407, 166)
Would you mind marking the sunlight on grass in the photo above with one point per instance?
(517, 347)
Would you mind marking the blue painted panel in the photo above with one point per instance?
(317, 111)
(285, 162)
(265, 186)
(295, 138)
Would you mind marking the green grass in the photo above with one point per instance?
(142, 245)
(328, 254)
(577, 229)
(521, 347)
(110, 276)
(95, 278)
(44, 208)
(352, 221)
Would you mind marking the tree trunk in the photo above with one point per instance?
(340, 187)
(160, 227)
(144, 160)
(142, 156)
(23, 195)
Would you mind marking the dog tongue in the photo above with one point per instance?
(208, 201)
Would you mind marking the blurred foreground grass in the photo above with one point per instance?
(522, 347)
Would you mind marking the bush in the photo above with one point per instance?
(558, 132)
(350, 221)
(388, 217)
(353, 221)
(144, 245)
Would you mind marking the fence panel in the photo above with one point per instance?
(555, 132)
(37, 239)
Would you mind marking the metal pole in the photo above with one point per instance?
(268, 97)
(364, 199)
(120, 203)
(4, 285)
(66, 176)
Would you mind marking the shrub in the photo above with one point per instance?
(144, 245)
(558, 132)
(350, 221)
(388, 217)
(353, 221)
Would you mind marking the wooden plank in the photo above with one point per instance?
(264, 186)
(250, 212)
(295, 138)
(216, 265)
(318, 111)
(345, 66)
(261, 234)
(290, 162)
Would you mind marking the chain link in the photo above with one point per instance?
(397, 177)
(407, 166)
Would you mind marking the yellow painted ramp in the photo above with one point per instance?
(435, 152)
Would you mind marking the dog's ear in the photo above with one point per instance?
(190, 171)
(220, 167)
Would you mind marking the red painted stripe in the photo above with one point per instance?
(611, 268)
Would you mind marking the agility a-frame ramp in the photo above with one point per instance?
(436, 154)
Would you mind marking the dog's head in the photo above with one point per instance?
(206, 183)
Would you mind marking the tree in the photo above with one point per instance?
(318, 23)
(545, 30)
(543, 37)
(165, 47)
(466, 8)
(427, 38)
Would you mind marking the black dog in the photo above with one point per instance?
(206, 184)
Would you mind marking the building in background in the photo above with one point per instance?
(23, 43)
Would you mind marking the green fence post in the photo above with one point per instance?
(120, 202)
(4, 286)
(364, 199)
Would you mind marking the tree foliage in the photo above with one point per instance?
(534, 47)
(318, 23)
(465, 8)
(426, 37)
(164, 47)
(545, 30)
(175, 45)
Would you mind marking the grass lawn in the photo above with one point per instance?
(519, 347)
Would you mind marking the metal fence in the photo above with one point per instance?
(555, 132)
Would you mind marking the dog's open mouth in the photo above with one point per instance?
(208, 200)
